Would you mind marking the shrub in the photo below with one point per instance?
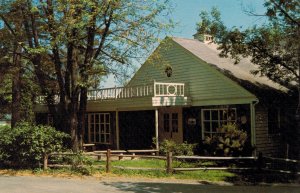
(26, 144)
(229, 143)
(79, 162)
(175, 148)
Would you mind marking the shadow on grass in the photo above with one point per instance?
(254, 177)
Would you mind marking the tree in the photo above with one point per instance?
(274, 46)
(12, 72)
(70, 42)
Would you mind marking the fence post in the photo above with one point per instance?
(45, 161)
(108, 167)
(121, 156)
(169, 163)
(133, 154)
(260, 161)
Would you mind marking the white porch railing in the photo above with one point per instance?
(168, 89)
(120, 92)
(157, 89)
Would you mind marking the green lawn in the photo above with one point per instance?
(161, 173)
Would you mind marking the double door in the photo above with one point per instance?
(170, 124)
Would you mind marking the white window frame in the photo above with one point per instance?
(219, 122)
(99, 131)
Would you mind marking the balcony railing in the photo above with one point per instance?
(158, 89)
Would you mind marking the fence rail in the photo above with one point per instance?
(258, 163)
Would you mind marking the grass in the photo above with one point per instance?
(160, 165)
(97, 169)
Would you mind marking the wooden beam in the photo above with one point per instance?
(156, 129)
(117, 130)
(253, 127)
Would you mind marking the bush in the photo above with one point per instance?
(230, 142)
(81, 163)
(175, 148)
(26, 144)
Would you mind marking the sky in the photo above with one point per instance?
(186, 14)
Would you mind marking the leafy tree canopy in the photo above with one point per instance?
(71, 43)
(273, 46)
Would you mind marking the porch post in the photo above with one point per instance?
(156, 128)
(252, 118)
(117, 130)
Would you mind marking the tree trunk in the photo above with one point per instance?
(74, 132)
(16, 87)
(82, 117)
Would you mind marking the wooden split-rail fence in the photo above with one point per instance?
(288, 166)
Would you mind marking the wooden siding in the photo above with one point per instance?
(204, 84)
(269, 145)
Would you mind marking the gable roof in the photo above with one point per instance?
(205, 85)
(209, 53)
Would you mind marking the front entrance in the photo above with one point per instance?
(170, 124)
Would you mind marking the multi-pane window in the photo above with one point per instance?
(175, 122)
(166, 122)
(214, 119)
(171, 122)
(99, 128)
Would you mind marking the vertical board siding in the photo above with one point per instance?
(267, 144)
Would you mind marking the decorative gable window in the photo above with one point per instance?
(213, 119)
(99, 128)
(168, 71)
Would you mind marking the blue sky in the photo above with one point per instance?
(186, 14)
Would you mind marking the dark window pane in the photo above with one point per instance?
(107, 128)
(107, 118)
(232, 115)
(214, 126)
(92, 118)
(102, 128)
(166, 123)
(223, 114)
(107, 138)
(97, 118)
(206, 114)
(207, 126)
(102, 118)
(175, 116)
(92, 138)
(214, 115)
(97, 138)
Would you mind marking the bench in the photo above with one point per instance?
(90, 146)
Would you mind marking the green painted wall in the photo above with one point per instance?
(204, 84)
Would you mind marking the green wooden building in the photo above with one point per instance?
(184, 92)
